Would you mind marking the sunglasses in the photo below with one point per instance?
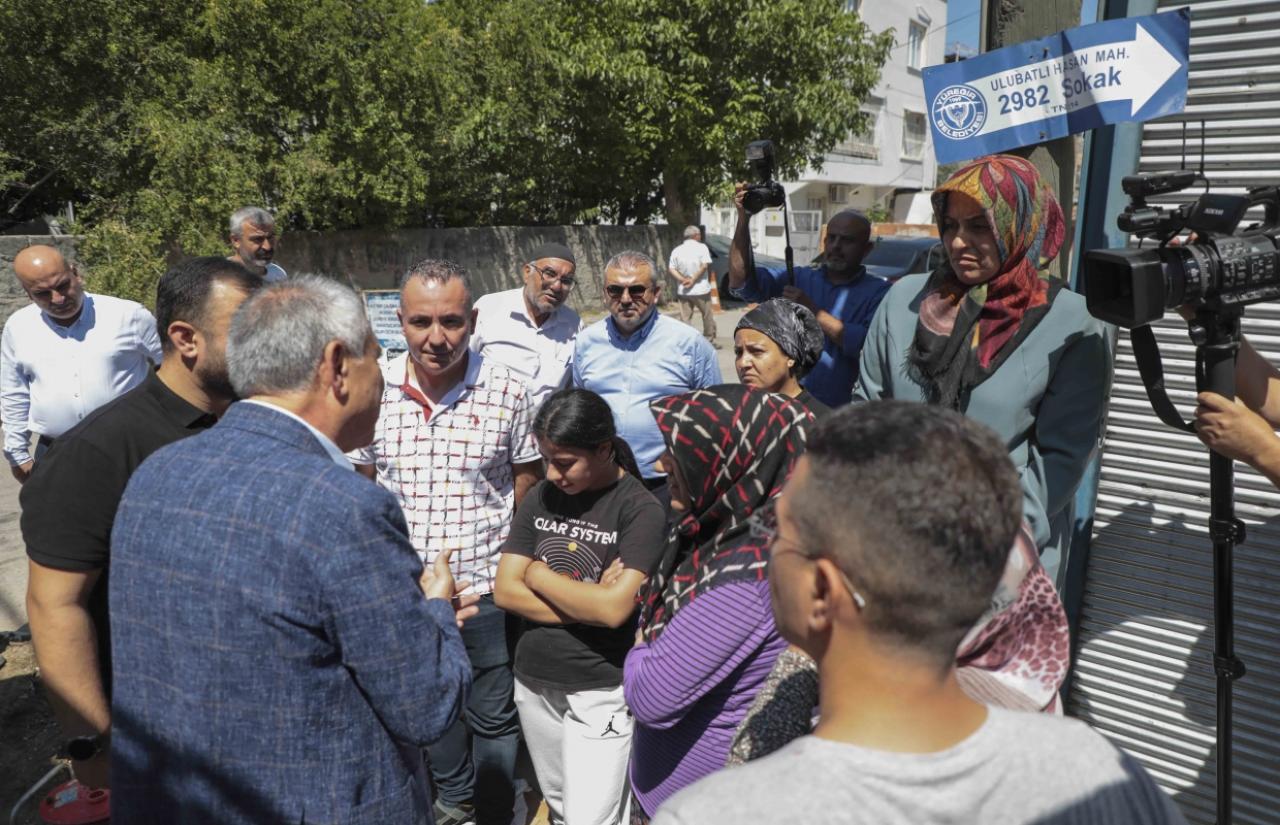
(636, 291)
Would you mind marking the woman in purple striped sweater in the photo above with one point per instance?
(707, 639)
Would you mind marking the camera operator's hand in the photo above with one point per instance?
(739, 192)
(1232, 429)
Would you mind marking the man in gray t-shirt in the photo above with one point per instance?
(879, 587)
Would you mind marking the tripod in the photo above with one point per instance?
(1216, 372)
(1216, 335)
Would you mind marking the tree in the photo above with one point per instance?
(157, 119)
(625, 109)
(696, 81)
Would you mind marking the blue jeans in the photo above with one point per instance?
(475, 761)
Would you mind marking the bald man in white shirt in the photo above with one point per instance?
(65, 355)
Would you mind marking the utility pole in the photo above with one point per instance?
(1005, 23)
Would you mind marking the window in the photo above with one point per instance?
(914, 135)
(808, 221)
(851, 6)
(864, 144)
(915, 45)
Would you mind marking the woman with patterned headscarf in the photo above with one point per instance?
(993, 334)
(707, 639)
(774, 346)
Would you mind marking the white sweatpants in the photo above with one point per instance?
(579, 743)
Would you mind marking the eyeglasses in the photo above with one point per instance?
(636, 291)
(763, 527)
(550, 276)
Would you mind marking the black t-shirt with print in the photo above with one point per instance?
(579, 536)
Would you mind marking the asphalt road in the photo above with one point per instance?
(13, 559)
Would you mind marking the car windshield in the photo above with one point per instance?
(891, 253)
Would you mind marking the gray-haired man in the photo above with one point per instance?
(690, 265)
(252, 233)
(262, 594)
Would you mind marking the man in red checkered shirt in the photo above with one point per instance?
(454, 444)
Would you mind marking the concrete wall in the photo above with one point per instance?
(373, 259)
(493, 255)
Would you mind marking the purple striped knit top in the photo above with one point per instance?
(690, 687)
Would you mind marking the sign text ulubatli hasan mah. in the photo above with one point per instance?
(1134, 68)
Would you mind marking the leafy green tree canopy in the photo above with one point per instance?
(156, 119)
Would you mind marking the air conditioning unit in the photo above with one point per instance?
(837, 193)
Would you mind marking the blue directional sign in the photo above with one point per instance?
(1134, 68)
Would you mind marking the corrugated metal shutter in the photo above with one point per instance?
(1144, 672)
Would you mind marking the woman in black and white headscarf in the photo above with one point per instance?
(774, 346)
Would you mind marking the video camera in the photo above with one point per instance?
(768, 192)
(1218, 270)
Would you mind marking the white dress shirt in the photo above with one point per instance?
(687, 259)
(540, 355)
(52, 376)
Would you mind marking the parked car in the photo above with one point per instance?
(893, 257)
(719, 246)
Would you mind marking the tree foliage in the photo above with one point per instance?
(157, 119)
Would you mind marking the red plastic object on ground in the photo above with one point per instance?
(74, 804)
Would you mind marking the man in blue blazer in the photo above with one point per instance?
(275, 657)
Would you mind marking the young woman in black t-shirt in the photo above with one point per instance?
(591, 513)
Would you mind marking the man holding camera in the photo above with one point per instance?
(841, 293)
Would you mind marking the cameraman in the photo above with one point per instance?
(840, 293)
(1244, 429)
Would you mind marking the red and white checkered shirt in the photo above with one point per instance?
(450, 464)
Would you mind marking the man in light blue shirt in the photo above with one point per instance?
(841, 294)
(638, 354)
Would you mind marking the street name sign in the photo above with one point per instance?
(1134, 68)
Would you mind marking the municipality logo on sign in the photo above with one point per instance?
(959, 111)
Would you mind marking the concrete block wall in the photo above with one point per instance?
(492, 255)
(372, 259)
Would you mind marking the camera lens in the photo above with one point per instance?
(1184, 269)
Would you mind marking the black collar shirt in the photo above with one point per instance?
(70, 501)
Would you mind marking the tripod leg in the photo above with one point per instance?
(1215, 372)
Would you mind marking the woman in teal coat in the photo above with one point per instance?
(991, 333)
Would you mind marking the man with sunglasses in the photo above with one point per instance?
(530, 330)
(636, 355)
(879, 588)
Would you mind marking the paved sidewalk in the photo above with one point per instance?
(13, 557)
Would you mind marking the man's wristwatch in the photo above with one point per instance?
(83, 748)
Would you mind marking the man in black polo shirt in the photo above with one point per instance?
(70, 500)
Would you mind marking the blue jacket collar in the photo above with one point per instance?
(261, 419)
